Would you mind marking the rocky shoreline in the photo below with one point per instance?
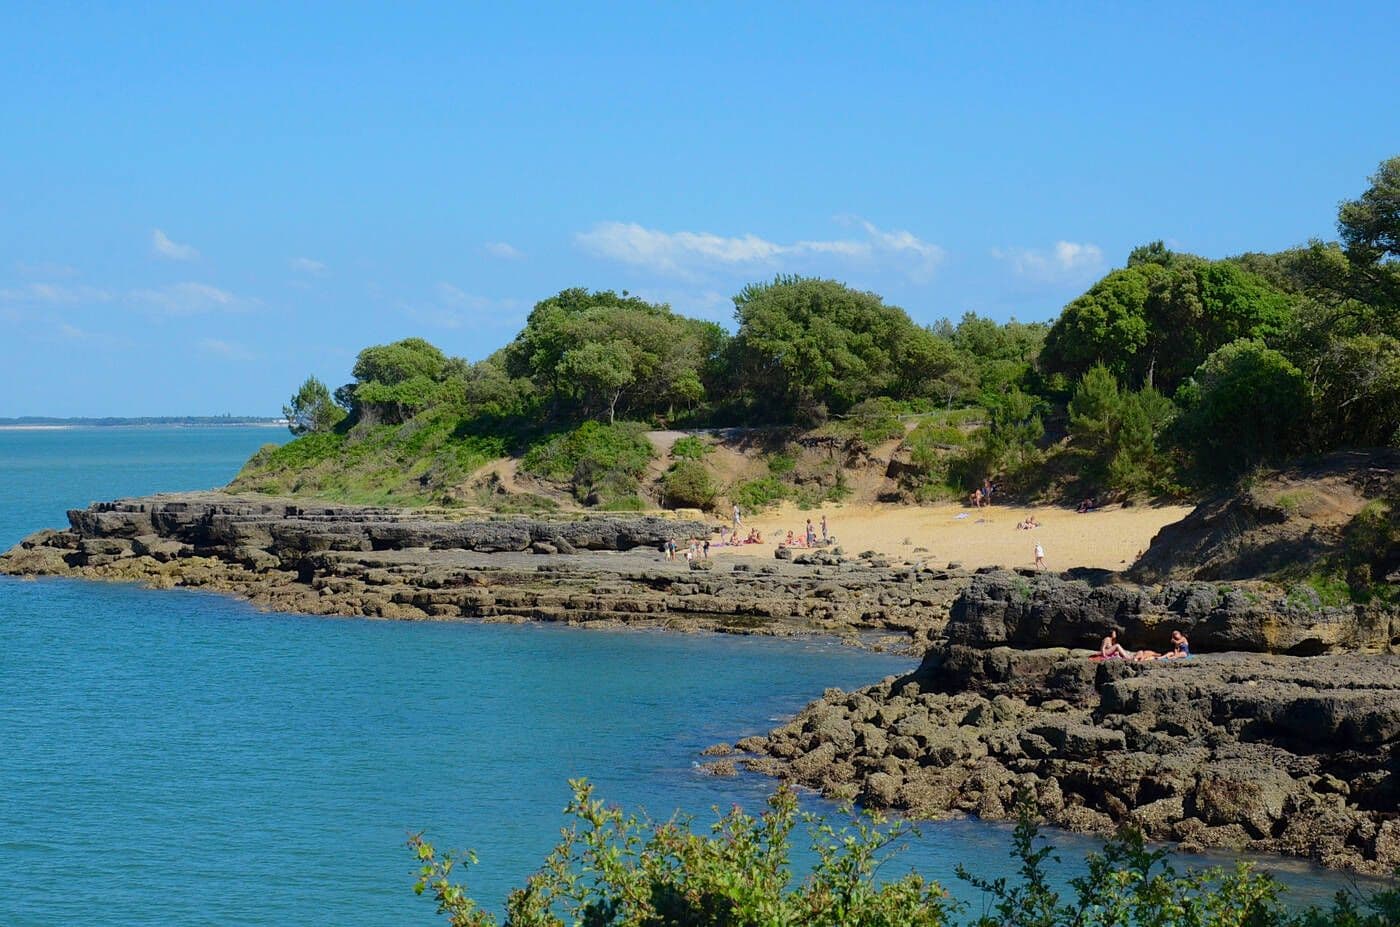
(1283, 754)
(1285, 743)
(599, 571)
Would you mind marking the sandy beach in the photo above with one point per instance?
(1108, 539)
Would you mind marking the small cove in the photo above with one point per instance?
(176, 757)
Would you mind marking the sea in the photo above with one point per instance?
(180, 758)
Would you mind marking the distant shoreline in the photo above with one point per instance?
(56, 424)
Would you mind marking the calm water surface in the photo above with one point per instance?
(169, 757)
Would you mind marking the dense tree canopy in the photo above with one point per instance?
(601, 353)
(1169, 369)
(807, 346)
(1156, 320)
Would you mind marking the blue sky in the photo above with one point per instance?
(199, 207)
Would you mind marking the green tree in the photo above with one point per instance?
(1244, 406)
(1138, 464)
(595, 353)
(806, 346)
(311, 409)
(1010, 443)
(1370, 224)
(600, 371)
(1107, 325)
(399, 362)
(1094, 410)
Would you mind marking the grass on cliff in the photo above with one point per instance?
(613, 868)
(415, 463)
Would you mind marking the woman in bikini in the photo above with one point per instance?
(1181, 647)
(1110, 649)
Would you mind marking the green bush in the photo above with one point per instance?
(1243, 407)
(601, 462)
(758, 494)
(689, 485)
(612, 868)
(591, 446)
(781, 464)
(690, 447)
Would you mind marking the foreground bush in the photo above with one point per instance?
(611, 868)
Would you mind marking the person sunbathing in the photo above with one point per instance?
(1181, 647)
(1110, 649)
(790, 541)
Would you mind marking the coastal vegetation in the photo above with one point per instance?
(1169, 377)
(613, 868)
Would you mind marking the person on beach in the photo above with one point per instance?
(1039, 556)
(811, 534)
(1181, 647)
(738, 517)
(976, 498)
(671, 549)
(706, 546)
(1110, 649)
(724, 536)
(987, 491)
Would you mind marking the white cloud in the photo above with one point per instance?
(44, 269)
(307, 265)
(229, 350)
(163, 246)
(699, 304)
(503, 250)
(453, 307)
(187, 299)
(687, 254)
(55, 294)
(1067, 260)
(73, 331)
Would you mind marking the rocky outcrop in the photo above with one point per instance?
(204, 521)
(1285, 522)
(1246, 749)
(1280, 754)
(1028, 610)
(345, 560)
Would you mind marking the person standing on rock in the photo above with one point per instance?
(1039, 556)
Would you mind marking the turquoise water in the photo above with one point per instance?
(169, 757)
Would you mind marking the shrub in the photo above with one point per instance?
(1245, 406)
(759, 493)
(689, 485)
(613, 868)
(781, 464)
(690, 447)
(602, 462)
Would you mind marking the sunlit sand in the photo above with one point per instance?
(1109, 538)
